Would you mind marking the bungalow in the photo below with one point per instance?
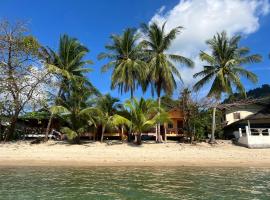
(248, 122)
(176, 127)
(172, 130)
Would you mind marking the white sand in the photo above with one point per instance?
(167, 154)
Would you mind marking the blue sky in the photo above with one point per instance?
(92, 22)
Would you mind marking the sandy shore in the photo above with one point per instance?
(149, 154)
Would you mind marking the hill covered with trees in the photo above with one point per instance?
(259, 92)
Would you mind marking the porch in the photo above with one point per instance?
(254, 137)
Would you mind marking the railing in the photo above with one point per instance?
(175, 131)
(254, 132)
(254, 137)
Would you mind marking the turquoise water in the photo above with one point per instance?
(134, 183)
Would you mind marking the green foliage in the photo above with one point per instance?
(168, 103)
(74, 111)
(68, 64)
(162, 70)
(36, 115)
(30, 45)
(201, 124)
(142, 115)
(259, 92)
(225, 66)
(125, 59)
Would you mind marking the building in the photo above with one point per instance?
(175, 127)
(172, 130)
(248, 122)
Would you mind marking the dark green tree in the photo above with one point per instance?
(225, 68)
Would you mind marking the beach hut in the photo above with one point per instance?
(175, 127)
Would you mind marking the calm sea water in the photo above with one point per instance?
(134, 183)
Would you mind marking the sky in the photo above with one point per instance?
(92, 22)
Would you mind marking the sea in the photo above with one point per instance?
(134, 183)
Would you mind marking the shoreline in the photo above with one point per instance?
(95, 154)
(43, 163)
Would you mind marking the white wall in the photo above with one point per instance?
(254, 141)
(244, 111)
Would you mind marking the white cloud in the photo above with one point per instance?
(202, 19)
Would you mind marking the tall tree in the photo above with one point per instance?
(225, 68)
(125, 58)
(21, 71)
(162, 68)
(67, 64)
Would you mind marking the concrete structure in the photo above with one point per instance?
(254, 137)
(248, 123)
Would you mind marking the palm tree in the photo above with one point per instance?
(75, 111)
(67, 64)
(106, 107)
(162, 64)
(124, 55)
(143, 115)
(225, 67)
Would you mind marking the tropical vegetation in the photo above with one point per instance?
(53, 86)
(161, 64)
(225, 67)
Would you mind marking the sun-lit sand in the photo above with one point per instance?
(116, 154)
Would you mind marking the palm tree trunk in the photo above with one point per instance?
(165, 133)
(158, 125)
(212, 139)
(139, 138)
(130, 128)
(122, 132)
(102, 133)
(48, 128)
(50, 119)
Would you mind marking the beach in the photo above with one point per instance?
(115, 153)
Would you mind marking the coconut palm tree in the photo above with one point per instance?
(225, 67)
(105, 107)
(143, 115)
(74, 111)
(124, 55)
(161, 63)
(67, 64)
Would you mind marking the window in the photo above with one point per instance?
(170, 125)
(236, 115)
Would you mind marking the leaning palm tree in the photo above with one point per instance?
(225, 67)
(162, 64)
(143, 115)
(124, 54)
(67, 64)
